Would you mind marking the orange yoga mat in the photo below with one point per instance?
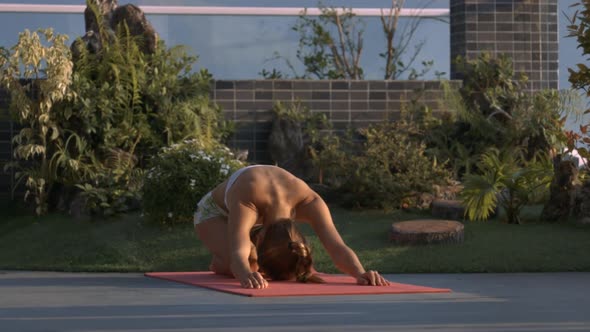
(335, 285)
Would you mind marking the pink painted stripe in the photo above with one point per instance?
(208, 10)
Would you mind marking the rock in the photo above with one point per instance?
(447, 209)
(114, 15)
(241, 155)
(562, 191)
(105, 8)
(449, 192)
(288, 145)
(582, 203)
(138, 25)
(424, 201)
(77, 207)
(426, 231)
(91, 41)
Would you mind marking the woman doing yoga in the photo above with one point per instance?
(247, 223)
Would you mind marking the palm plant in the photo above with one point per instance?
(505, 179)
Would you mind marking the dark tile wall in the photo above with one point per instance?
(525, 30)
(346, 104)
(7, 131)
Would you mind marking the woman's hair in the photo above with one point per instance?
(283, 253)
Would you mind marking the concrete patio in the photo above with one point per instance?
(47, 301)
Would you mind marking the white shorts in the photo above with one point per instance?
(207, 209)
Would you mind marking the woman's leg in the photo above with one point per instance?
(213, 233)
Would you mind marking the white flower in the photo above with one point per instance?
(170, 214)
(224, 171)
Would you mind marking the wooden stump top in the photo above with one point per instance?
(427, 231)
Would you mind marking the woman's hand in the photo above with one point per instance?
(254, 280)
(372, 278)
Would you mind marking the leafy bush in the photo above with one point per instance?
(383, 166)
(180, 175)
(105, 195)
(391, 169)
(494, 109)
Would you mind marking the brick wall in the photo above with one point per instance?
(6, 133)
(525, 30)
(345, 103)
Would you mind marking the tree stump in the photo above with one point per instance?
(447, 209)
(426, 231)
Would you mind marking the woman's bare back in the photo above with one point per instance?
(269, 190)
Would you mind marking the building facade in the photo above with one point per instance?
(525, 30)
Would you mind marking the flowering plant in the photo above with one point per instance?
(179, 175)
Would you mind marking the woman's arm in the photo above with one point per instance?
(240, 220)
(317, 213)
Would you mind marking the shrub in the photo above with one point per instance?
(391, 169)
(105, 194)
(494, 109)
(180, 175)
(382, 166)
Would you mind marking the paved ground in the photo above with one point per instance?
(42, 301)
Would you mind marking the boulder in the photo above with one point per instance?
(138, 25)
(113, 16)
(582, 204)
(105, 8)
(288, 145)
(562, 191)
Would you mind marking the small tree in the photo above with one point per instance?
(329, 54)
(331, 46)
(395, 66)
(38, 74)
(579, 28)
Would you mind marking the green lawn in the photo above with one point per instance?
(59, 243)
